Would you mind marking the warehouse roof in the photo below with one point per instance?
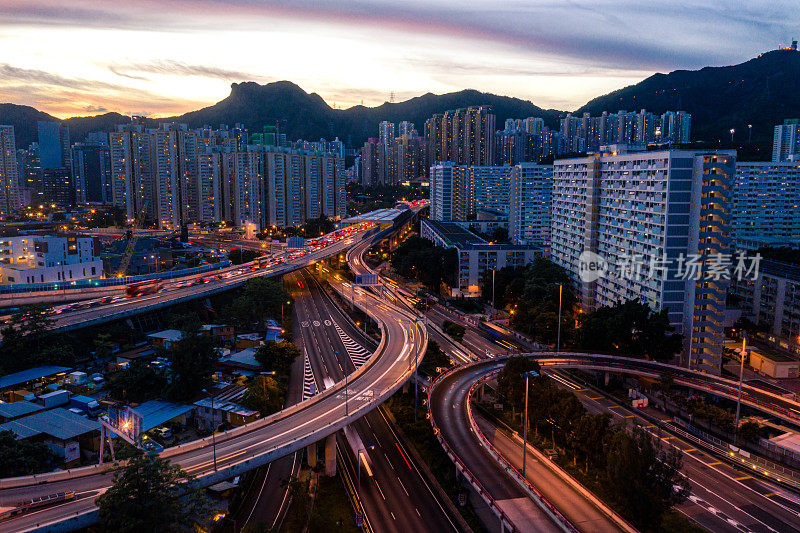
(31, 374)
(59, 423)
(157, 412)
(18, 409)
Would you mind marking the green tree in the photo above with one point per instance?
(532, 293)
(25, 336)
(434, 357)
(750, 431)
(260, 299)
(664, 386)
(299, 495)
(589, 434)
(420, 259)
(456, 331)
(631, 329)
(277, 356)
(644, 477)
(186, 323)
(150, 495)
(511, 383)
(238, 257)
(103, 347)
(500, 235)
(191, 364)
(137, 383)
(263, 395)
(23, 458)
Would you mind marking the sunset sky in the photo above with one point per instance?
(81, 57)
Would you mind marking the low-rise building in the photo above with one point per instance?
(476, 257)
(19, 409)
(248, 340)
(165, 339)
(49, 259)
(774, 365)
(31, 379)
(244, 360)
(69, 435)
(211, 414)
(221, 332)
(155, 413)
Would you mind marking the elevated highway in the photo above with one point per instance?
(402, 343)
(457, 430)
(175, 294)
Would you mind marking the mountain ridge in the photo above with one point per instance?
(760, 92)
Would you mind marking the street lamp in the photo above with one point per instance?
(749, 132)
(287, 303)
(493, 292)
(739, 399)
(213, 429)
(732, 132)
(558, 342)
(527, 375)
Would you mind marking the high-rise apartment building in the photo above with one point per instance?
(462, 136)
(458, 191)
(9, 178)
(369, 163)
(530, 204)
(270, 186)
(657, 221)
(408, 155)
(29, 169)
(53, 145)
(55, 158)
(766, 204)
(387, 164)
(588, 133)
(786, 141)
(91, 170)
(406, 128)
(131, 183)
(449, 192)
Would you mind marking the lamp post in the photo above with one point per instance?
(525, 424)
(493, 292)
(287, 303)
(213, 429)
(739, 399)
(749, 132)
(558, 342)
(732, 132)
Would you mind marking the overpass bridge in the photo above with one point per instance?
(403, 342)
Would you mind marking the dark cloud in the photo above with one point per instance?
(625, 34)
(176, 68)
(95, 109)
(11, 74)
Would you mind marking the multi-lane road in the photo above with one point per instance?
(395, 497)
(253, 445)
(124, 307)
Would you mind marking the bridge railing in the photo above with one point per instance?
(466, 472)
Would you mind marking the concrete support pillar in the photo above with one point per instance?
(608, 378)
(502, 526)
(405, 387)
(330, 455)
(313, 456)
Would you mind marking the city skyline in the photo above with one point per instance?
(93, 57)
